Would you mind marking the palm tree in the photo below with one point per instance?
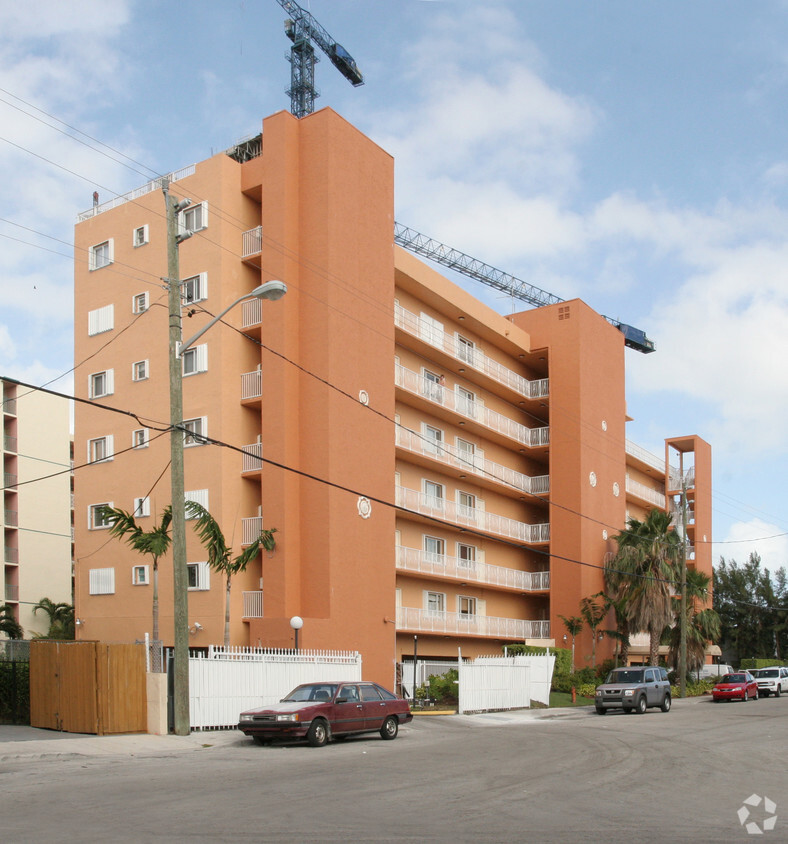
(155, 543)
(573, 624)
(8, 623)
(593, 613)
(703, 626)
(61, 619)
(646, 558)
(220, 557)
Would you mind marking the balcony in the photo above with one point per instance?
(252, 314)
(9, 443)
(11, 555)
(459, 624)
(252, 245)
(11, 518)
(460, 514)
(451, 345)
(468, 571)
(10, 480)
(472, 463)
(252, 457)
(252, 385)
(253, 605)
(251, 529)
(9, 406)
(444, 397)
(645, 493)
(643, 456)
(11, 592)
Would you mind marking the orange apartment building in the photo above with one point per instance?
(432, 468)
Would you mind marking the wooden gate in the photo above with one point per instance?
(88, 687)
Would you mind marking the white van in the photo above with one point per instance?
(709, 671)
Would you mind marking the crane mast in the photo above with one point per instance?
(302, 28)
(420, 244)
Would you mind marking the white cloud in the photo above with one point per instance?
(755, 536)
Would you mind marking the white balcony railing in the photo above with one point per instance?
(252, 242)
(251, 529)
(438, 394)
(252, 384)
(640, 453)
(252, 457)
(473, 357)
(459, 624)
(646, 493)
(253, 605)
(460, 514)
(474, 464)
(439, 565)
(252, 313)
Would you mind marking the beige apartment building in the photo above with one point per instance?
(433, 469)
(37, 510)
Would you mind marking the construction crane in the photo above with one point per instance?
(303, 29)
(420, 244)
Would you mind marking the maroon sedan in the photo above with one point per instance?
(739, 686)
(320, 712)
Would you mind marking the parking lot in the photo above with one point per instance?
(552, 775)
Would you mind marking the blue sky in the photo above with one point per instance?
(631, 154)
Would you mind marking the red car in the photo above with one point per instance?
(320, 712)
(739, 686)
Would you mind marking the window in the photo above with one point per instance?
(435, 602)
(466, 555)
(101, 448)
(102, 581)
(141, 507)
(139, 370)
(140, 236)
(466, 451)
(199, 496)
(194, 218)
(101, 384)
(197, 576)
(195, 360)
(140, 303)
(433, 438)
(466, 504)
(433, 495)
(195, 289)
(430, 330)
(434, 550)
(97, 520)
(140, 437)
(432, 386)
(466, 402)
(101, 255)
(465, 605)
(465, 349)
(195, 430)
(139, 575)
(101, 320)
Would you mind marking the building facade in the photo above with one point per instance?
(37, 512)
(437, 474)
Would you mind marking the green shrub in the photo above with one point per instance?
(586, 690)
(750, 663)
(443, 687)
(604, 668)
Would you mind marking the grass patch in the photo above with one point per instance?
(558, 699)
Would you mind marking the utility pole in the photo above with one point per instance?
(683, 619)
(179, 572)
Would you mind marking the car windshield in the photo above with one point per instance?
(631, 675)
(312, 691)
(769, 672)
(734, 678)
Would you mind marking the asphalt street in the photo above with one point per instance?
(541, 776)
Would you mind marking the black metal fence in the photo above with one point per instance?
(14, 681)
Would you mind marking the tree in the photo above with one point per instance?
(154, 543)
(220, 557)
(703, 625)
(593, 613)
(646, 563)
(61, 619)
(8, 623)
(573, 624)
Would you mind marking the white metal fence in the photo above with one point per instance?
(493, 685)
(225, 682)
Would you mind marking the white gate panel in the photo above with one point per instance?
(541, 666)
(493, 685)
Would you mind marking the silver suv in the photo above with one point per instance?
(634, 689)
(771, 681)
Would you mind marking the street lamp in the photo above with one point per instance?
(270, 290)
(296, 622)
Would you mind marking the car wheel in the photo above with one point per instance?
(746, 696)
(777, 691)
(390, 728)
(641, 705)
(259, 740)
(318, 733)
(665, 704)
(600, 710)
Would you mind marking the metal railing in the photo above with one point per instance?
(460, 514)
(9, 406)
(10, 480)
(460, 624)
(252, 242)
(252, 457)
(251, 529)
(9, 443)
(640, 453)
(646, 493)
(423, 562)
(452, 456)
(11, 555)
(11, 518)
(11, 592)
(252, 384)
(253, 605)
(443, 396)
(252, 313)
(475, 358)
